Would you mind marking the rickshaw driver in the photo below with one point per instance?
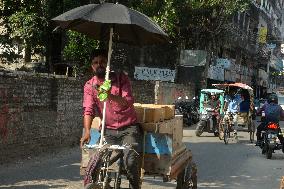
(245, 103)
(232, 102)
(121, 120)
(215, 104)
(273, 113)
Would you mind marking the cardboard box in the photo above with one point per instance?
(149, 113)
(153, 115)
(96, 123)
(139, 112)
(172, 126)
(169, 111)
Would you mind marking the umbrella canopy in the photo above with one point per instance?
(240, 85)
(95, 20)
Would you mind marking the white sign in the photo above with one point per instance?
(153, 74)
(282, 48)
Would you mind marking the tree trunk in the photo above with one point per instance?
(28, 52)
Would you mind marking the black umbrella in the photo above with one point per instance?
(108, 21)
(95, 20)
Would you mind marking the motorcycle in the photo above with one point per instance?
(270, 141)
(207, 123)
(189, 110)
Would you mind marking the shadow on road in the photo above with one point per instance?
(50, 171)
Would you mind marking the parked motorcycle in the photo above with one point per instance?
(207, 123)
(189, 110)
(270, 141)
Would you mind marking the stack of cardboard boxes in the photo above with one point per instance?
(163, 133)
(163, 137)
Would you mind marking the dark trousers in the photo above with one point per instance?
(131, 135)
(262, 127)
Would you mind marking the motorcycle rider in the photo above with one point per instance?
(215, 104)
(273, 113)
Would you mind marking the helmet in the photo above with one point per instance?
(273, 98)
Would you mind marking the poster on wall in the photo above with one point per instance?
(216, 73)
(154, 74)
(226, 63)
(189, 58)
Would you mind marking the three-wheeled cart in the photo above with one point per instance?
(244, 120)
(164, 153)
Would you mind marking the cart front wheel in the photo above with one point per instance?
(226, 133)
(187, 179)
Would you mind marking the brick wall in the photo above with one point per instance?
(38, 114)
(169, 92)
(44, 113)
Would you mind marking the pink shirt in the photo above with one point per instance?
(117, 116)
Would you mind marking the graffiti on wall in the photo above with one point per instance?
(9, 114)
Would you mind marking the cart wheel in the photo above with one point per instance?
(269, 153)
(187, 179)
(226, 133)
(263, 150)
(94, 177)
(221, 132)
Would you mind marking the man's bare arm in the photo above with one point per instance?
(87, 132)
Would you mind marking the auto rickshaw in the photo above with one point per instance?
(244, 120)
(209, 115)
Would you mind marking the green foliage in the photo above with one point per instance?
(196, 22)
(204, 21)
(27, 26)
(78, 48)
(163, 12)
(26, 23)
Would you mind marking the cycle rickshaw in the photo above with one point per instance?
(160, 157)
(243, 120)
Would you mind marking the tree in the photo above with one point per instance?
(199, 24)
(25, 22)
(202, 23)
(78, 49)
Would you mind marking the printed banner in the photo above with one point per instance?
(154, 74)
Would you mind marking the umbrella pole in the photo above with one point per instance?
(106, 78)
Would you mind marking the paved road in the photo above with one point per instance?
(238, 165)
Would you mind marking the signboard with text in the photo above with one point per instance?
(154, 74)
